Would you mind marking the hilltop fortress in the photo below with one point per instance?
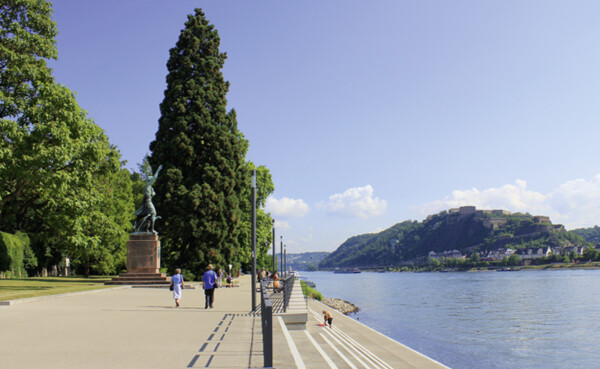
(495, 218)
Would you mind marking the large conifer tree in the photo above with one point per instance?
(202, 152)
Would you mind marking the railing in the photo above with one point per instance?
(288, 285)
(266, 313)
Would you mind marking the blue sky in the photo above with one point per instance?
(369, 113)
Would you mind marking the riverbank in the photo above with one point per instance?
(343, 306)
(489, 268)
(555, 266)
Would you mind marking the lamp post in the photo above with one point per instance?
(281, 257)
(274, 263)
(253, 282)
(285, 260)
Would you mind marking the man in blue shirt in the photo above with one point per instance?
(210, 283)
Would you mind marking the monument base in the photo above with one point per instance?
(143, 262)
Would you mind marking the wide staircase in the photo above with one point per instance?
(290, 304)
(145, 279)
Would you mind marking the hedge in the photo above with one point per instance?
(14, 249)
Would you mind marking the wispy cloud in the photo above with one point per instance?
(357, 202)
(575, 203)
(281, 224)
(286, 207)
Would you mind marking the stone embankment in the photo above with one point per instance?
(342, 306)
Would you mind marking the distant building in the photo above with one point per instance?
(467, 209)
(535, 253)
(448, 254)
(577, 249)
(541, 219)
(494, 223)
(497, 255)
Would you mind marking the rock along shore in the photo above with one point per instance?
(342, 306)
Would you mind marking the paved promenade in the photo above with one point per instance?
(126, 327)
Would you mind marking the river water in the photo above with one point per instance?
(483, 320)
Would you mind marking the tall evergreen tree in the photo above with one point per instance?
(202, 152)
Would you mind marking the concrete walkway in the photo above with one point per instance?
(141, 328)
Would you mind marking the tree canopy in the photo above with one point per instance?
(62, 179)
(204, 188)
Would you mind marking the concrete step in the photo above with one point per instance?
(140, 279)
(296, 315)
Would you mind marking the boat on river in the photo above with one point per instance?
(346, 270)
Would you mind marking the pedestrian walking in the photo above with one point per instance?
(261, 275)
(177, 286)
(219, 277)
(210, 283)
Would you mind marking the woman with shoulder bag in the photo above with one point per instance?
(177, 286)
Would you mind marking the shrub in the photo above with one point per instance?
(187, 275)
(311, 292)
(15, 254)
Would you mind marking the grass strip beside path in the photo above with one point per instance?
(310, 292)
(14, 289)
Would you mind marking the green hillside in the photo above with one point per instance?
(589, 234)
(305, 260)
(466, 230)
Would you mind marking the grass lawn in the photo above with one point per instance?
(13, 289)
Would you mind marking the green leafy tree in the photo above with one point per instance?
(59, 171)
(590, 254)
(573, 255)
(264, 222)
(27, 34)
(514, 260)
(434, 263)
(202, 152)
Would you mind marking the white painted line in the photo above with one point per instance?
(291, 344)
(346, 348)
(318, 347)
(358, 348)
(338, 352)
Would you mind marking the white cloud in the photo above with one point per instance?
(307, 239)
(355, 202)
(575, 203)
(280, 224)
(286, 207)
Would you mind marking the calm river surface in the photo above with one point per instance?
(483, 320)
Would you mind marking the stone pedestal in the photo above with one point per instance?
(143, 253)
(143, 261)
